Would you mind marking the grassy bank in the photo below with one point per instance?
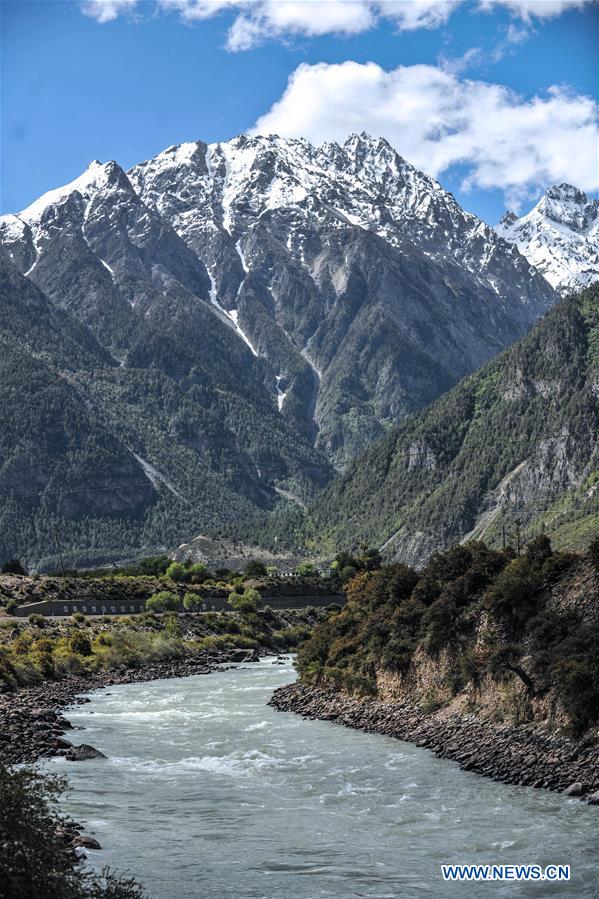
(41, 648)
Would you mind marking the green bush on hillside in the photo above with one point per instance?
(489, 612)
(176, 572)
(245, 603)
(163, 601)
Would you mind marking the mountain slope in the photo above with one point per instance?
(363, 284)
(560, 236)
(240, 318)
(119, 458)
(339, 281)
(518, 440)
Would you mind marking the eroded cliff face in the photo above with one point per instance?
(431, 681)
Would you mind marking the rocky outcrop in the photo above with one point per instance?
(513, 755)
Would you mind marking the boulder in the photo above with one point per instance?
(85, 842)
(83, 753)
(244, 655)
(593, 799)
(42, 714)
(574, 789)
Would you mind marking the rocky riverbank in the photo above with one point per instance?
(31, 722)
(513, 755)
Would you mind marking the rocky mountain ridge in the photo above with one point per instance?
(359, 286)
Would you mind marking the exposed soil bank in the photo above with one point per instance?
(31, 724)
(512, 755)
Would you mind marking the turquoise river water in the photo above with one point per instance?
(208, 792)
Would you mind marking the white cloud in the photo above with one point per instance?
(279, 18)
(535, 9)
(436, 120)
(107, 10)
(261, 20)
(412, 14)
(195, 10)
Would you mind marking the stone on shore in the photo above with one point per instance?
(83, 753)
(575, 789)
(85, 842)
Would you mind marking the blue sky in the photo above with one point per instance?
(464, 96)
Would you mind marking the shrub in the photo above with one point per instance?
(245, 603)
(79, 616)
(172, 625)
(255, 568)
(13, 566)
(80, 643)
(176, 572)
(153, 565)
(514, 594)
(164, 601)
(290, 637)
(32, 861)
(67, 662)
(556, 564)
(37, 620)
(306, 569)
(192, 602)
(198, 573)
(438, 624)
(538, 550)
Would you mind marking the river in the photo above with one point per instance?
(209, 793)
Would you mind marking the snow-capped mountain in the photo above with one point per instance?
(560, 236)
(228, 188)
(259, 311)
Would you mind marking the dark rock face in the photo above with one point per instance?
(223, 325)
(513, 755)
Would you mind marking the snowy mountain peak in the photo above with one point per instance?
(569, 206)
(96, 176)
(560, 236)
(337, 283)
(362, 182)
(508, 219)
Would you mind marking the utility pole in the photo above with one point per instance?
(503, 535)
(518, 523)
(57, 541)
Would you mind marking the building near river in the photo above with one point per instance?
(133, 606)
